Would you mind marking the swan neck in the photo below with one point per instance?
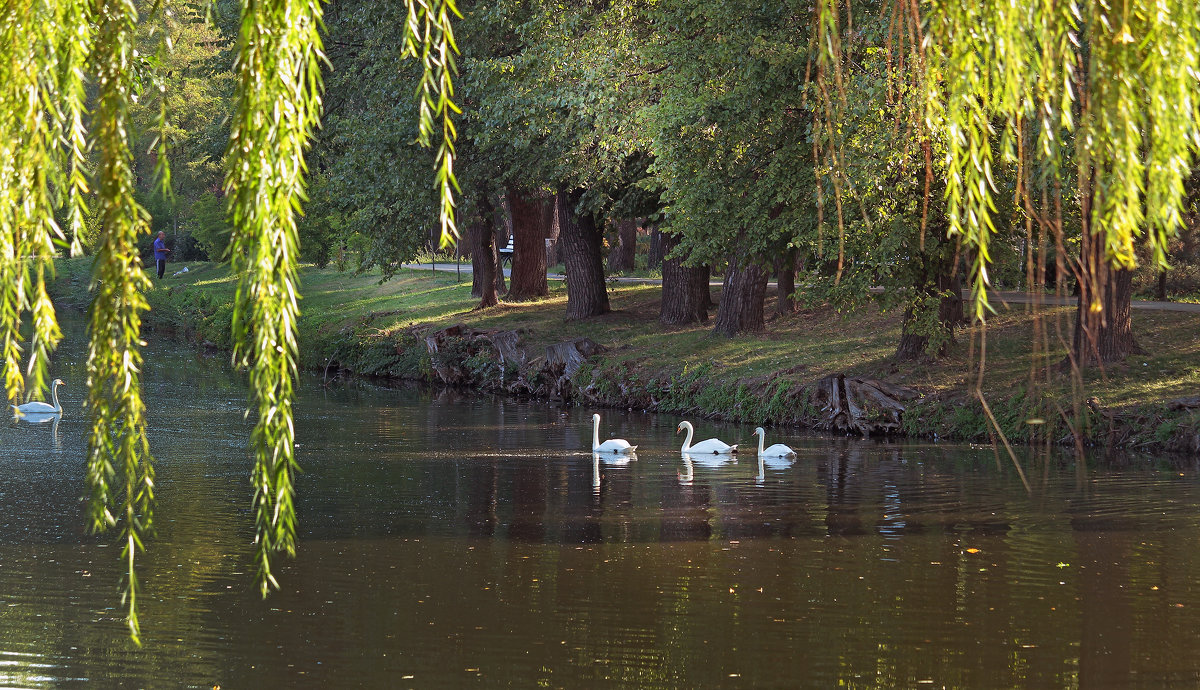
(761, 440)
(687, 440)
(595, 433)
(54, 397)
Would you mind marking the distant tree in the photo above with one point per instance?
(623, 253)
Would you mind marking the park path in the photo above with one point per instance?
(997, 297)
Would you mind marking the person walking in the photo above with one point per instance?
(160, 253)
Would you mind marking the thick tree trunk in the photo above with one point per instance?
(581, 239)
(1102, 335)
(913, 343)
(655, 259)
(484, 259)
(742, 296)
(785, 279)
(531, 218)
(472, 239)
(621, 256)
(685, 295)
(1103, 317)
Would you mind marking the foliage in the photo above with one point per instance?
(1117, 80)
(730, 126)
(120, 474)
(278, 105)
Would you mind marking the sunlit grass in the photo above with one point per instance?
(806, 345)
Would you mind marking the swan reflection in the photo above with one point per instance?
(608, 459)
(53, 418)
(775, 463)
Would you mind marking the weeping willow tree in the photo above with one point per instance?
(1101, 94)
(53, 50)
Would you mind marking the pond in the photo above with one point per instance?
(450, 540)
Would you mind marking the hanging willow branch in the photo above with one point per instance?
(995, 64)
(120, 476)
(278, 106)
(41, 146)
(429, 36)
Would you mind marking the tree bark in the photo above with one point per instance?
(1104, 314)
(484, 259)
(553, 248)
(621, 257)
(1102, 335)
(580, 239)
(474, 241)
(742, 297)
(685, 295)
(655, 259)
(785, 279)
(531, 218)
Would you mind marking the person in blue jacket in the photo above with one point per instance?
(160, 253)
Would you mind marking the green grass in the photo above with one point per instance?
(356, 319)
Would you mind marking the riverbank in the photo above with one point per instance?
(398, 329)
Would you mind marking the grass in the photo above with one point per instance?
(344, 313)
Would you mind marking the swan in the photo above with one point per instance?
(712, 445)
(41, 407)
(776, 451)
(612, 445)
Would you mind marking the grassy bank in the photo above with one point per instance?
(353, 323)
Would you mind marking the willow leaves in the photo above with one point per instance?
(1118, 81)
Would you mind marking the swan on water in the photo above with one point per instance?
(39, 408)
(776, 451)
(612, 445)
(712, 445)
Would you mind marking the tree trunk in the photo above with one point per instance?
(580, 238)
(685, 295)
(553, 248)
(531, 218)
(1104, 315)
(484, 259)
(742, 297)
(621, 257)
(785, 279)
(914, 345)
(1162, 285)
(655, 259)
(1103, 335)
(472, 239)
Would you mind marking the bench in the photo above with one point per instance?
(506, 252)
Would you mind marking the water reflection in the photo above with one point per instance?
(450, 540)
(52, 419)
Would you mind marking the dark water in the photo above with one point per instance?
(452, 541)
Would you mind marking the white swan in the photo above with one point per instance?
(712, 445)
(612, 445)
(41, 407)
(776, 451)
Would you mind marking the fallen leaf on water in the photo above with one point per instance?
(972, 550)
